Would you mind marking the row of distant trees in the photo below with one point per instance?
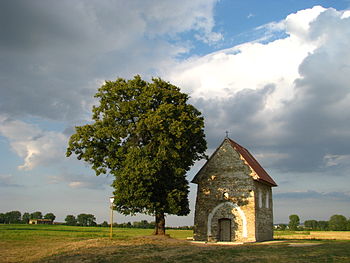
(15, 217)
(81, 220)
(335, 223)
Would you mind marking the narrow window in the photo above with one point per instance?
(267, 200)
(260, 198)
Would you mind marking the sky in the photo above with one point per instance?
(274, 74)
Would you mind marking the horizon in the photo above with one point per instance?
(274, 75)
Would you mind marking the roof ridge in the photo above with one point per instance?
(253, 163)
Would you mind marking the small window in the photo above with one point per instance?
(267, 200)
(260, 198)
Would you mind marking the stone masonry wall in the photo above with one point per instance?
(264, 212)
(226, 178)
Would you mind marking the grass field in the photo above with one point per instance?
(39, 243)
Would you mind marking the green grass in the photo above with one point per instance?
(32, 232)
(161, 251)
(58, 243)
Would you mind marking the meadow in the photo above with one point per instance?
(58, 243)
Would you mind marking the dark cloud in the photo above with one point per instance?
(55, 54)
(310, 130)
(235, 114)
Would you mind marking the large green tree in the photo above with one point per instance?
(70, 220)
(294, 222)
(86, 220)
(26, 218)
(36, 215)
(13, 217)
(338, 222)
(50, 216)
(148, 136)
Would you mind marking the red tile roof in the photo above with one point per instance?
(253, 163)
(248, 157)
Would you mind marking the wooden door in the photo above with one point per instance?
(225, 229)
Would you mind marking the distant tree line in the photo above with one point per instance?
(81, 220)
(142, 224)
(15, 217)
(335, 223)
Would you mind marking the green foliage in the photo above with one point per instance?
(282, 227)
(86, 220)
(148, 137)
(311, 224)
(323, 225)
(12, 217)
(25, 218)
(316, 225)
(70, 220)
(143, 224)
(50, 216)
(2, 218)
(105, 224)
(36, 215)
(294, 222)
(338, 223)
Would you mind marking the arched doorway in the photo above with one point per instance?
(225, 229)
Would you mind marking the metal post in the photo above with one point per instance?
(111, 200)
(111, 231)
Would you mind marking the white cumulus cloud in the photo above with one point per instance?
(35, 146)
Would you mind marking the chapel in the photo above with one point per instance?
(234, 197)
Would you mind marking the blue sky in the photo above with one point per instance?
(273, 73)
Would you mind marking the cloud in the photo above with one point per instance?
(55, 54)
(335, 160)
(80, 180)
(307, 195)
(8, 181)
(35, 146)
(286, 97)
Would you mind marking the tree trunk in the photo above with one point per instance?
(160, 224)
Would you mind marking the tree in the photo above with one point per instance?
(148, 137)
(322, 225)
(105, 224)
(338, 222)
(311, 224)
(13, 217)
(282, 227)
(50, 216)
(70, 220)
(2, 218)
(86, 220)
(25, 218)
(294, 222)
(36, 215)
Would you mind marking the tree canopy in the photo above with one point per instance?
(86, 220)
(294, 222)
(338, 222)
(50, 216)
(36, 215)
(70, 220)
(148, 137)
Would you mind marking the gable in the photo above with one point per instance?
(258, 172)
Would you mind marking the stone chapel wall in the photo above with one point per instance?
(226, 173)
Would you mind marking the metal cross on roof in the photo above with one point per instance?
(226, 134)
